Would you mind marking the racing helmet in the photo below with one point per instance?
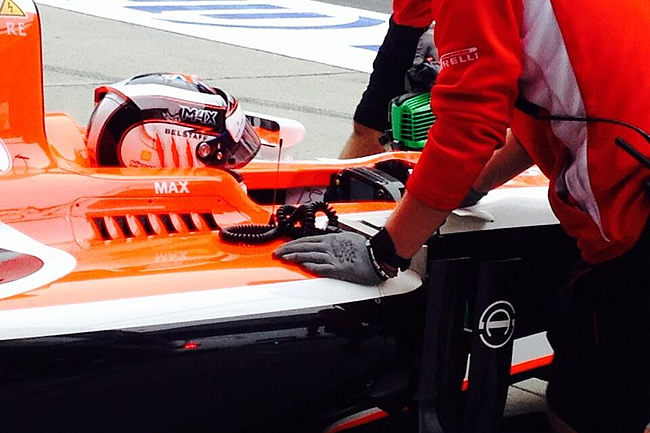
(169, 120)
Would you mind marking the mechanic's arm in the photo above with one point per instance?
(505, 164)
(411, 224)
(481, 55)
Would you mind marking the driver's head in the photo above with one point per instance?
(169, 120)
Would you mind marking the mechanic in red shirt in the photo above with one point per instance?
(569, 59)
(409, 21)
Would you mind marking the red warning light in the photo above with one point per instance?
(191, 345)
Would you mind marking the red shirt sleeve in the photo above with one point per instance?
(412, 13)
(481, 57)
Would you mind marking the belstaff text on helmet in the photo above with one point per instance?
(186, 134)
(459, 56)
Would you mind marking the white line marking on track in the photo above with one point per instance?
(303, 29)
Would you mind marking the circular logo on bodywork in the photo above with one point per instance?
(497, 324)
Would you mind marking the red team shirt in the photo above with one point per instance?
(412, 13)
(570, 57)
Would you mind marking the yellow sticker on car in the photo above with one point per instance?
(11, 9)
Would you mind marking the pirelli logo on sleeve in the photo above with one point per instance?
(459, 56)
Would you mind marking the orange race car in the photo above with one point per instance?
(124, 307)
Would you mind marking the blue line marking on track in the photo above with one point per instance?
(253, 16)
(368, 47)
(172, 8)
(257, 12)
(360, 22)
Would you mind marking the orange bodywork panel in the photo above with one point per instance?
(21, 89)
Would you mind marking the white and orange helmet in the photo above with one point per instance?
(169, 120)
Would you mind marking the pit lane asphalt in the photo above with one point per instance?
(81, 52)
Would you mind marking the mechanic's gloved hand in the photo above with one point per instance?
(343, 256)
(472, 198)
(426, 49)
(426, 65)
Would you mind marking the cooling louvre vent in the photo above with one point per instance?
(112, 227)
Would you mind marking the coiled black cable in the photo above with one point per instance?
(332, 220)
(293, 222)
(252, 234)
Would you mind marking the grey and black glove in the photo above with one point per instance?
(343, 256)
(426, 66)
(426, 49)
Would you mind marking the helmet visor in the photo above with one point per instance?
(242, 152)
